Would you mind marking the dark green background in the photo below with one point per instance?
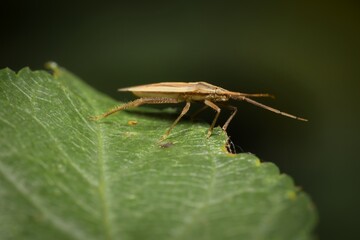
(307, 54)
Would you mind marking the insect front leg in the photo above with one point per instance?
(234, 109)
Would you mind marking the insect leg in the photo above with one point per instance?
(183, 112)
(135, 103)
(234, 109)
(218, 110)
(257, 95)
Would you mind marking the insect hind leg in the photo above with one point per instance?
(135, 103)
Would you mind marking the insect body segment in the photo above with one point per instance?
(176, 92)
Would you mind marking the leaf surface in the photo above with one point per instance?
(63, 176)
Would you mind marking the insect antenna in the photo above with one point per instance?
(257, 95)
(249, 100)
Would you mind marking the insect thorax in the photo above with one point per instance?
(217, 97)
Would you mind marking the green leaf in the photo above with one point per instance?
(63, 176)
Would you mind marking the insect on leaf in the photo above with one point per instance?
(65, 177)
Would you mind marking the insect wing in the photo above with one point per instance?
(173, 87)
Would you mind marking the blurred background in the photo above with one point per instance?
(306, 53)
